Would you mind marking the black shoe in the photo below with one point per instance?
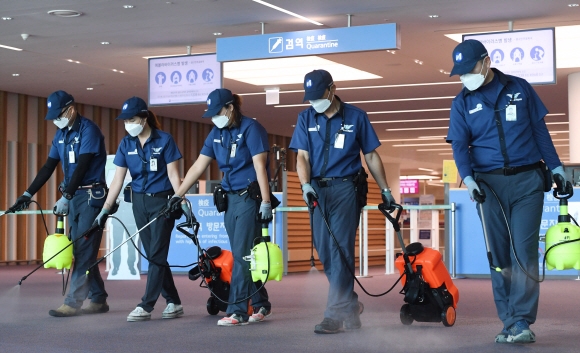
(353, 322)
(328, 326)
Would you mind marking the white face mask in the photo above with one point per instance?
(474, 81)
(134, 129)
(61, 123)
(321, 105)
(220, 121)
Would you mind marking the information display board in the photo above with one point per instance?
(184, 79)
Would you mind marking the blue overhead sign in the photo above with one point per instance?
(313, 42)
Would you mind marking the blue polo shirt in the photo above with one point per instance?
(160, 146)
(248, 140)
(474, 135)
(83, 137)
(316, 134)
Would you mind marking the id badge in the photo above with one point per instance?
(339, 141)
(71, 157)
(233, 150)
(511, 113)
(153, 164)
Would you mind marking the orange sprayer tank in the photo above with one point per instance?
(434, 271)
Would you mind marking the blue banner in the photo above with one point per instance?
(470, 248)
(212, 232)
(312, 42)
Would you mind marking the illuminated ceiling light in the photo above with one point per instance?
(170, 55)
(433, 16)
(418, 62)
(15, 75)
(567, 37)
(77, 62)
(433, 149)
(217, 33)
(560, 123)
(128, 6)
(446, 154)
(89, 88)
(7, 18)
(428, 170)
(421, 177)
(372, 101)
(105, 43)
(64, 13)
(283, 71)
(70, 60)
(419, 128)
(424, 138)
(288, 12)
(573, 5)
(11, 48)
(409, 111)
(391, 51)
(115, 70)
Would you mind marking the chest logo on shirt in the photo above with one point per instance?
(132, 152)
(347, 128)
(514, 97)
(60, 141)
(239, 137)
(477, 108)
(156, 150)
(76, 139)
(316, 128)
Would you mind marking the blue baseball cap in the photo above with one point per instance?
(56, 102)
(466, 55)
(132, 107)
(216, 100)
(315, 83)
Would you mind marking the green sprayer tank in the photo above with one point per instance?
(260, 261)
(55, 243)
(565, 256)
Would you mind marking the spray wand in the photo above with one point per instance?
(479, 197)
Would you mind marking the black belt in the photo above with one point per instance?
(93, 185)
(238, 192)
(326, 182)
(513, 170)
(163, 194)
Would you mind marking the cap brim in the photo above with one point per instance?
(463, 68)
(52, 114)
(312, 95)
(126, 115)
(211, 112)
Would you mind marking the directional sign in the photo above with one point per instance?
(313, 42)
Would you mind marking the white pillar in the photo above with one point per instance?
(574, 116)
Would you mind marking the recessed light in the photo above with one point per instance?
(89, 88)
(65, 13)
(573, 5)
(15, 75)
(391, 51)
(128, 6)
(418, 62)
(433, 16)
(6, 18)
(217, 33)
(115, 70)
(105, 43)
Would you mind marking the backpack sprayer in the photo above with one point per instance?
(430, 294)
(563, 238)
(215, 266)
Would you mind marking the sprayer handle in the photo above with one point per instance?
(387, 212)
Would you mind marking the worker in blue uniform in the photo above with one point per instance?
(80, 147)
(151, 156)
(498, 135)
(240, 146)
(329, 138)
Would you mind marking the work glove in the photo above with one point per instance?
(474, 192)
(61, 207)
(173, 205)
(187, 212)
(388, 199)
(563, 186)
(265, 213)
(101, 218)
(307, 189)
(21, 203)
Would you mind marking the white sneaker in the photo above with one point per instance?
(172, 311)
(139, 314)
(260, 315)
(233, 320)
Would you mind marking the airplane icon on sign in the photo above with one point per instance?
(275, 45)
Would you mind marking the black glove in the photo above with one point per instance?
(173, 208)
(21, 203)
